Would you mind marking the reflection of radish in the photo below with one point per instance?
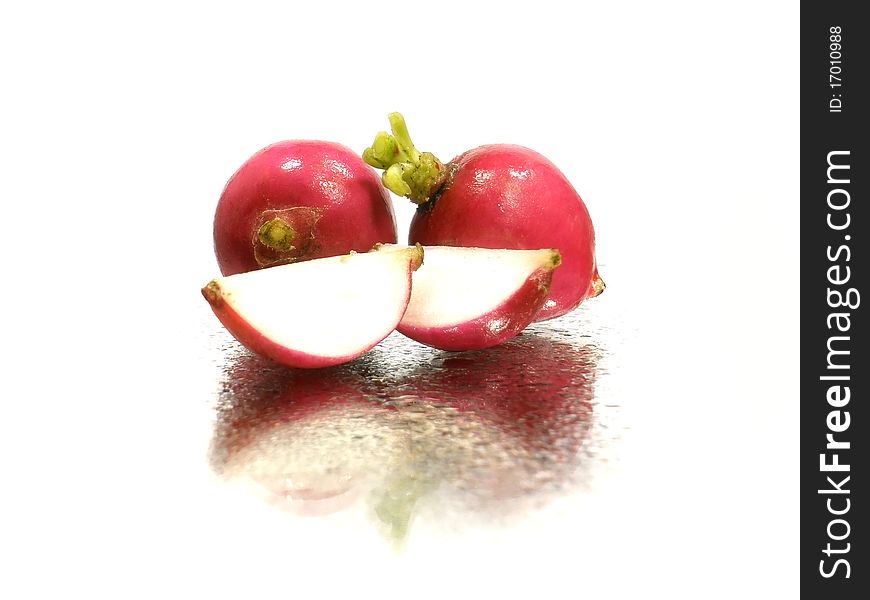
(299, 200)
(495, 196)
(310, 439)
(538, 390)
(481, 432)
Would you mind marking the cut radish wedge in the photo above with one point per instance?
(471, 298)
(319, 312)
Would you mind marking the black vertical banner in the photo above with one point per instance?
(835, 301)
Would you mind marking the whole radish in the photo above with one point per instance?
(494, 196)
(297, 200)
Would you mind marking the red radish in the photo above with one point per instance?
(298, 200)
(494, 196)
(320, 312)
(472, 298)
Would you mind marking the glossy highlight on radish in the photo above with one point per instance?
(300, 200)
(320, 312)
(494, 196)
(473, 298)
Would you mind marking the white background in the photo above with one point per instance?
(676, 121)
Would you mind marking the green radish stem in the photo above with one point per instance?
(407, 171)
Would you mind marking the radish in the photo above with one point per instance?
(494, 196)
(298, 200)
(320, 312)
(472, 298)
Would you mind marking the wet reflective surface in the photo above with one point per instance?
(408, 430)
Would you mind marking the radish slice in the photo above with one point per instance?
(470, 298)
(320, 312)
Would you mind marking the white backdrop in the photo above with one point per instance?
(676, 121)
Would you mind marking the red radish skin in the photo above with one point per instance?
(495, 196)
(299, 200)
